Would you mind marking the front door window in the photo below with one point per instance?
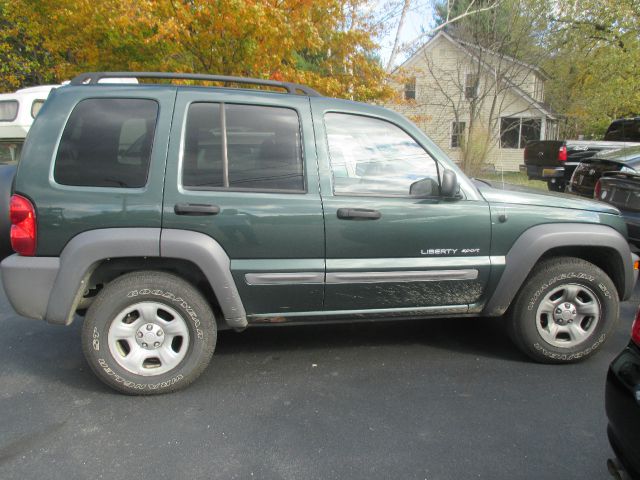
(370, 156)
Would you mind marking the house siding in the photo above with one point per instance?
(439, 69)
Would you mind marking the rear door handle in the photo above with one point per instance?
(196, 209)
(358, 214)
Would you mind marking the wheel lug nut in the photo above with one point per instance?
(144, 345)
(156, 344)
(149, 326)
(139, 334)
(159, 333)
(567, 305)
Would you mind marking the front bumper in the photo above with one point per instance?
(622, 400)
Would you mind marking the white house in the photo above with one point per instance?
(477, 105)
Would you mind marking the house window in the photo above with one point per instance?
(538, 89)
(410, 89)
(516, 132)
(457, 134)
(471, 81)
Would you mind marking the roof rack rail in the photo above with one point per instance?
(291, 88)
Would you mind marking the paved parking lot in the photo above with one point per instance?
(439, 399)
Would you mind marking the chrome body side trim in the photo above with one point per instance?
(283, 278)
(404, 276)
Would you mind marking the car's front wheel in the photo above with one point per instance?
(564, 312)
(149, 332)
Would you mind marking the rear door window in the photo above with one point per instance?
(242, 147)
(107, 143)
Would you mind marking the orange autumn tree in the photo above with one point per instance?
(327, 44)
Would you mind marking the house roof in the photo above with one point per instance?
(471, 50)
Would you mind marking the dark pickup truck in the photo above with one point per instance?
(554, 161)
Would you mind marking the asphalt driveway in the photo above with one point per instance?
(438, 399)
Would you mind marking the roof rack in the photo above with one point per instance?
(291, 88)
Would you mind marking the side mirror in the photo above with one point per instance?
(449, 187)
(425, 187)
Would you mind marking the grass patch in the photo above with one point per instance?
(514, 178)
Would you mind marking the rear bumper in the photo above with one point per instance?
(622, 400)
(542, 173)
(28, 282)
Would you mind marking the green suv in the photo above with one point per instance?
(164, 212)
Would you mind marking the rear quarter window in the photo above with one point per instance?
(8, 110)
(107, 142)
(36, 106)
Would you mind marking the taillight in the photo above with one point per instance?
(635, 329)
(562, 154)
(23, 226)
(597, 190)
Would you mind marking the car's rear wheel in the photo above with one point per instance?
(148, 333)
(564, 312)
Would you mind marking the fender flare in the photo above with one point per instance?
(204, 251)
(83, 254)
(536, 241)
(86, 251)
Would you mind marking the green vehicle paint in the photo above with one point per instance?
(266, 233)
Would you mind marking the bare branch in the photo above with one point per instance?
(396, 42)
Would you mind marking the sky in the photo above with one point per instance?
(417, 22)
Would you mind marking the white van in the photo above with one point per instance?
(17, 112)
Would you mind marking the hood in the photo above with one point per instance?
(515, 195)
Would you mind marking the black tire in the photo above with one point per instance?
(165, 298)
(557, 186)
(582, 325)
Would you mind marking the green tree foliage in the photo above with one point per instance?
(327, 44)
(508, 27)
(596, 63)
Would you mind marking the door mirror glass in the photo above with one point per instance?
(450, 186)
(426, 187)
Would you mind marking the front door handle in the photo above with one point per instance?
(196, 209)
(358, 214)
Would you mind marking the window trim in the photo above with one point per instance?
(17, 102)
(85, 188)
(184, 189)
(376, 195)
